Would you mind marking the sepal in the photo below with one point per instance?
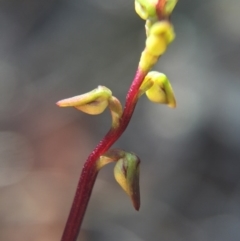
(93, 102)
(112, 155)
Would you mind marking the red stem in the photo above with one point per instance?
(89, 171)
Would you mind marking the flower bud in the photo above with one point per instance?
(164, 8)
(126, 172)
(158, 89)
(146, 9)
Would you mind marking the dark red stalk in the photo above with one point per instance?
(89, 171)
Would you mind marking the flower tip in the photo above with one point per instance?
(172, 105)
(136, 205)
(135, 195)
(60, 103)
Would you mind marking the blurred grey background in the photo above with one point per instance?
(190, 170)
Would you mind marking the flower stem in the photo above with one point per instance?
(90, 171)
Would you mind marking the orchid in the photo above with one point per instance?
(159, 34)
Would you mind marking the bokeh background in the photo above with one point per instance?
(190, 170)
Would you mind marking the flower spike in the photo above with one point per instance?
(159, 34)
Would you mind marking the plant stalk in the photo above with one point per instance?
(90, 171)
